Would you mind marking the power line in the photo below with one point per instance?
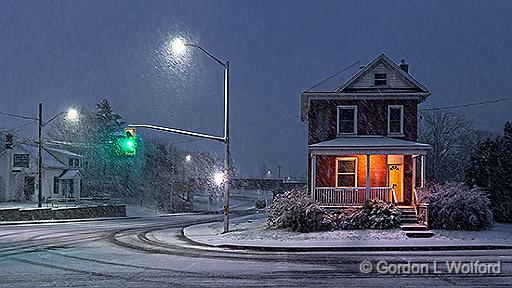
(18, 116)
(19, 127)
(466, 105)
(332, 76)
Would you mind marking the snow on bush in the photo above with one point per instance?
(375, 214)
(453, 206)
(295, 210)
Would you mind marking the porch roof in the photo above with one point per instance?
(368, 145)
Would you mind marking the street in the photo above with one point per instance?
(130, 253)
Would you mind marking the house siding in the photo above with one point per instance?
(372, 117)
(394, 80)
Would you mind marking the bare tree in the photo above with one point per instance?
(452, 138)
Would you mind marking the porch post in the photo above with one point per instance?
(313, 176)
(367, 176)
(414, 158)
(422, 157)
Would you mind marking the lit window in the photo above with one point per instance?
(380, 79)
(395, 119)
(346, 172)
(347, 120)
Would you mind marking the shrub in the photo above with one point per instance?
(453, 206)
(260, 203)
(295, 210)
(375, 214)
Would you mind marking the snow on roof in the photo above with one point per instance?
(70, 174)
(62, 151)
(369, 141)
(48, 159)
(368, 145)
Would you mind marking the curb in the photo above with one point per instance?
(296, 249)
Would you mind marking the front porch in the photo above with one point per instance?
(386, 167)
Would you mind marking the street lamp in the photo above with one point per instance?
(178, 47)
(188, 158)
(72, 115)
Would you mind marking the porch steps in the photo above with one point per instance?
(411, 227)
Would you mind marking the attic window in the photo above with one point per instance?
(380, 79)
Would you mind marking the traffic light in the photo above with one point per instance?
(128, 143)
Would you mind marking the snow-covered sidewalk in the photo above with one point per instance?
(251, 232)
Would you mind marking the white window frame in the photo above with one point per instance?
(401, 107)
(338, 108)
(338, 173)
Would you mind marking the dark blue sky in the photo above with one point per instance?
(66, 53)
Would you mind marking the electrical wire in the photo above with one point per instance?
(466, 105)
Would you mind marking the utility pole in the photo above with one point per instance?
(227, 157)
(279, 171)
(39, 157)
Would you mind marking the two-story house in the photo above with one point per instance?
(362, 140)
(19, 173)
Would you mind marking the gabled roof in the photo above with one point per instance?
(368, 144)
(414, 90)
(65, 152)
(382, 57)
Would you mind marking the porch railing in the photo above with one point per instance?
(336, 197)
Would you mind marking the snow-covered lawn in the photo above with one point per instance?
(499, 232)
(256, 229)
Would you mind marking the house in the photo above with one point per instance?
(362, 140)
(19, 173)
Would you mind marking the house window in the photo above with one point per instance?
(396, 120)
(346, 172)
(74, 162)
(21, 160)
(56, 185)
(380, 79)
(347, 119)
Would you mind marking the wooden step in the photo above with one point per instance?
(414, 227)
(419, 234)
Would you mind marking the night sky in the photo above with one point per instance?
(66, 53)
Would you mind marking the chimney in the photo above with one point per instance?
(8, 141)
(404, 66)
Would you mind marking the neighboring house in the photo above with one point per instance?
(18, 173)
(362, 137)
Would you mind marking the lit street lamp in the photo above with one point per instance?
(71, 115)
(178, 47)
(188, 158)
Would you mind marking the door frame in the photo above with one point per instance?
(400, 201)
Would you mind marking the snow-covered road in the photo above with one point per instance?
(128, 253)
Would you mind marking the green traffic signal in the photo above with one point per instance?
(127, 145)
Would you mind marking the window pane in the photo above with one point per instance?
(347, 114)
(77, 162)
(394, 127)
(346, 120)
(380, 76)
(346, 166)
(346, 180)
(395, 113)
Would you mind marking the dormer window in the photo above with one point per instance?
(395, 120)
(21, 160)
(380, 79)
(347, 120)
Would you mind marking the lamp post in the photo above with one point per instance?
(72, 114)
(179, 47)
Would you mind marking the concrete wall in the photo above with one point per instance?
(30, 214)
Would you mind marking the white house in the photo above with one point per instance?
(18, 173)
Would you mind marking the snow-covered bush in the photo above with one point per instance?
(295, 210)
(375, 214)
(453, 206)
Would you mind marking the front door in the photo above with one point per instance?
(396, 179)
